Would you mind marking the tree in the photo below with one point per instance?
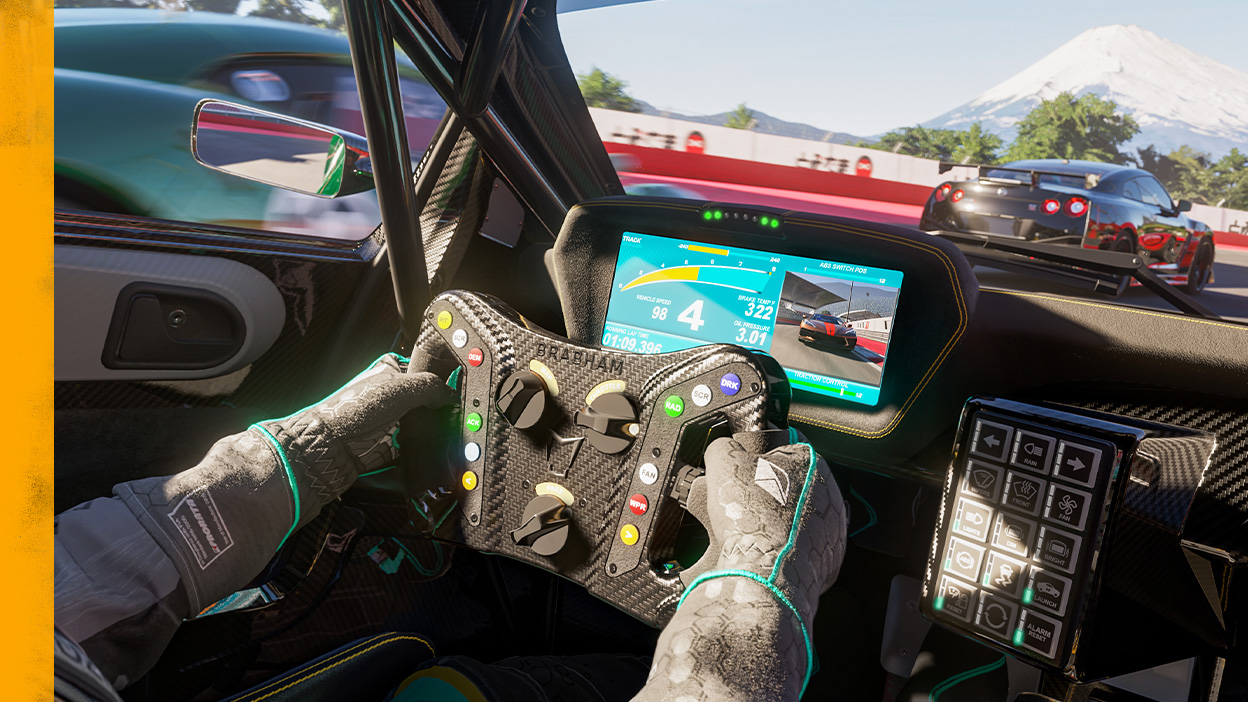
(228, 7)
(1088, 127)
(1194, 175)
(601, 89)
(1230, 178)
(285, 10)
(977, 146)
(972, 145)
(741, 118)
(336, 20)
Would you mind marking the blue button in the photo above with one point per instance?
(730, 384)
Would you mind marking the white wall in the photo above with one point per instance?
(1221, 219)
(664, 132)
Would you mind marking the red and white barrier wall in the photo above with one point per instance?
(651, 145)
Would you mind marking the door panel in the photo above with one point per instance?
(99, 330)
(294, 295)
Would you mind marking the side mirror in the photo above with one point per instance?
(1183, 206)
(274, 149)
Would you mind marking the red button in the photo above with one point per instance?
(475, 357)
(637, 503)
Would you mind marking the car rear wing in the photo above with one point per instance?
(1090, 180)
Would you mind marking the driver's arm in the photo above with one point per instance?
(130, 568)
(742, 630)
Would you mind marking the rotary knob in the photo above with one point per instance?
(522, 399)
(610, 422)
(544, 526)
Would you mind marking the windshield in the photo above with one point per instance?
(690, 96)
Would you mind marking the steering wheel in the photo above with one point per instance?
(579, 459)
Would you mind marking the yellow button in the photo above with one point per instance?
(444, 319)
(628, 534)
(470, 481)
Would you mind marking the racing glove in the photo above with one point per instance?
(165, 548)
(742, 629)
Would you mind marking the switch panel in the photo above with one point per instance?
(1024, 509)
(1061, 540)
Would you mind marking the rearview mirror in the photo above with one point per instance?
(274, 149)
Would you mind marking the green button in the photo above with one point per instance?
(673, 405)
(472, 421)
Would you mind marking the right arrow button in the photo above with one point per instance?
(1077, 463)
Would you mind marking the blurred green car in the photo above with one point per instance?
(126, 85)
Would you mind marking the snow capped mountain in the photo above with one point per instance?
(1176, 95)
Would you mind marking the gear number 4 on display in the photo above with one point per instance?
(692, 316)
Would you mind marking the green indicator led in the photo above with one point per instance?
(939, 604)
(763, 221)
(1018, 637)
(1027, 595)
(707, 215)
(987, 578)
(719, 215)
(775, 223)
(948, 563)
(955, 524)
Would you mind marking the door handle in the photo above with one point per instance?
(170, 327)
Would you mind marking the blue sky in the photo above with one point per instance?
(862, 67)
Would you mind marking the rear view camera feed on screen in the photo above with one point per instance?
(828, 323)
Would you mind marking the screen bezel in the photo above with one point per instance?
(935, 307)
(879, 389)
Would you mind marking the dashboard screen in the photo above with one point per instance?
(828, 323)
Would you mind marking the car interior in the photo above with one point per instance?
(1048, 495)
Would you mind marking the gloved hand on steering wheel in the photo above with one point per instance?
(129, 569)
(743, 628)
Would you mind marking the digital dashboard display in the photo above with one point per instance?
(828, 323)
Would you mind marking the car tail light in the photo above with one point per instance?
(1076, 207)
(1051, 206)
(958, 195)
(942, 192)
(1153, 241)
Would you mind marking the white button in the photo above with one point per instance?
(459, 338)
(472, 451)
(701, 396)
(649, 473)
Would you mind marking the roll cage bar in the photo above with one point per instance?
(508, 45)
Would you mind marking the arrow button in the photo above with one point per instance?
(990, 439)
(1077, 463)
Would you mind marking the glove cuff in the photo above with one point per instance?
(805, 620)
(220, 521)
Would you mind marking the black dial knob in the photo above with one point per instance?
(544, 526)
(522, 399)
(610, 422)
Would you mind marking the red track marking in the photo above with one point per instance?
(878, 347)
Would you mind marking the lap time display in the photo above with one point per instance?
(828, 323)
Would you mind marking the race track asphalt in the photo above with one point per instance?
(847, 365)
